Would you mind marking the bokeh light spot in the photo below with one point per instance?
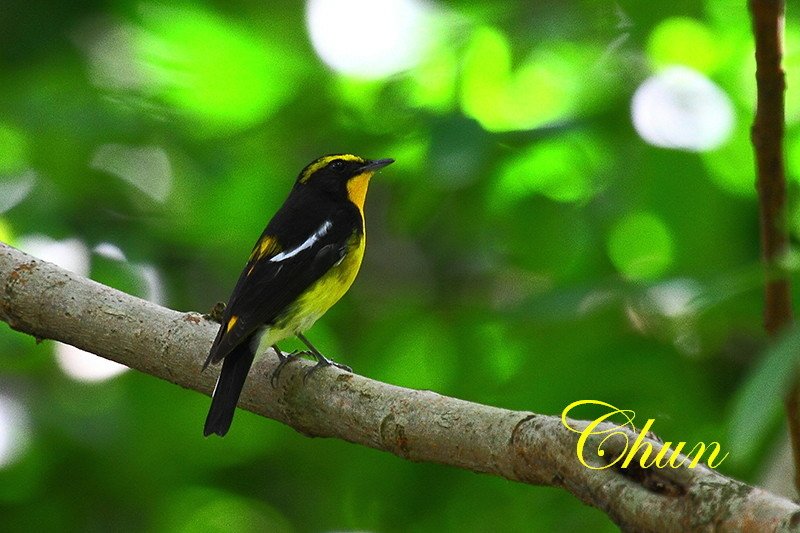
(680, 108)
(684, 41)
(14, 152)
(71, 254)
(213, 70)
(153, 284)
(110, 48)
(791, 68)
(6, 234)
(15, 431)
(109, 251)
(84, 366)
(675, 298)
(368, 38)
(434, 80)
(563, 169)
(147, 168)
(547, 87)
(14, 190)
(150, 286)
(641, 246)
(486, 70)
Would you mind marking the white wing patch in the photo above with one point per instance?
(308, 243)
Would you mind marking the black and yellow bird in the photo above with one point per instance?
(304, 261)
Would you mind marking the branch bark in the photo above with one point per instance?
(767, 136)
(46, 301)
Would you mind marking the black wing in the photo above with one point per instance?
(270, 282)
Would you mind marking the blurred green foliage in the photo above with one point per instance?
(528, 249)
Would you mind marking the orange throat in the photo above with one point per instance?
(357, 189)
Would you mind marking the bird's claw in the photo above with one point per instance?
(284, 360)
(323, 362)
(293, 354)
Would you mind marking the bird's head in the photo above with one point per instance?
(342, 174)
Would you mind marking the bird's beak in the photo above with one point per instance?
(373, 166)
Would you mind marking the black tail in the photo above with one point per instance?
(235, 367)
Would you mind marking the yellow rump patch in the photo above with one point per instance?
(232, 322)
(323, 161)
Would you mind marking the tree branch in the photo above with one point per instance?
(46, 301)
(767, 137)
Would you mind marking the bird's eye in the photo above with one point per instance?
(337, 164)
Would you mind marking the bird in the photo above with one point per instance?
(304, 262)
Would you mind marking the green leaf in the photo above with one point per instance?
(758, 403)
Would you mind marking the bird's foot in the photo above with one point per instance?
(323, 361)
(284, 360)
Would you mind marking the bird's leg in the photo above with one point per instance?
(321, 359)
(284, 360)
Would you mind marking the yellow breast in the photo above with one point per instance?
(332, 286)
(322, 294)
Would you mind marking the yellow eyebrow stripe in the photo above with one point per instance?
(232, 322)
(323, 161)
